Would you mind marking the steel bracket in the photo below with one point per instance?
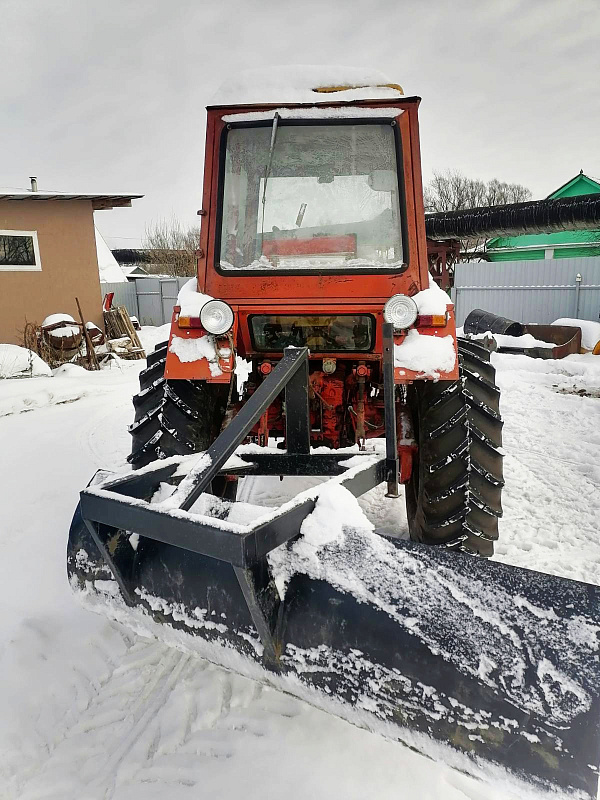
(116, 507)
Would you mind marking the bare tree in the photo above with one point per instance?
(453, 191)
(171, 248)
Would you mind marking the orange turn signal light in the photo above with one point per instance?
(189, 322)
(431, 321)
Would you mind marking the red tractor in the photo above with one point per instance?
(313, 234)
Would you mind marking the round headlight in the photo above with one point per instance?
(216, 317)
(401, 311)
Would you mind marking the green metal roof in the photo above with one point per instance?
(578, 185)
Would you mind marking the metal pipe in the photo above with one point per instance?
(537, 216)
(578, 280)
(389, 401)
(33, 180)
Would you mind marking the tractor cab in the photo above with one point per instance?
(312, 224)
(310, 195)
(313, 203)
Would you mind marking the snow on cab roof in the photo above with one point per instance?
(305, 84)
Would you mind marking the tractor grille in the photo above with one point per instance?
(323, 333)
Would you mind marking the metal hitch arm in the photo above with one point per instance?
(294, 361)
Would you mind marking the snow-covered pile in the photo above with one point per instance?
(297, 84)
(70, 371)
(19, 362)
(525, 341)
(67, 329)
(504, 340)
(590, 330)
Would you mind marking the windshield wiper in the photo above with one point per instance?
(267, 173)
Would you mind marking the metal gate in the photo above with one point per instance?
(150, 299)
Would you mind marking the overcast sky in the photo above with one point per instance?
(109, 95)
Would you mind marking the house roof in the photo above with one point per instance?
(588, 186)
(99, 201)
(580, 184)
(133, 269)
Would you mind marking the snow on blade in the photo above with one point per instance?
(433, 602)
(427, 355)
(175, 500)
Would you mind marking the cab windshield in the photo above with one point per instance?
(311, 197)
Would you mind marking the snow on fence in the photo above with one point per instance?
(530, 291)
(151, 300)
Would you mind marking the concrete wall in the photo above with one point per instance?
(67, 246)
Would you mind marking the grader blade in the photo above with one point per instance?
(499, 665)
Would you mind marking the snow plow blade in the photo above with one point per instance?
(498, 664)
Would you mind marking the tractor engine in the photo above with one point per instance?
(345, 404)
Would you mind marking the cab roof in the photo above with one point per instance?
(304, 84)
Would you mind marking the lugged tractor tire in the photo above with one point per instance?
(147, 403)
(191, 419)
(155, 367)
(453, 497)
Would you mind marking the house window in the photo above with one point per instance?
(19, 250)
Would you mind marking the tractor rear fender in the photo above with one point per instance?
(419, 358)
(194, 354)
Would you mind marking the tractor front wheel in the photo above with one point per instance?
(453, 497)
(176, 418)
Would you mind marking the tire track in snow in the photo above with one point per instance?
(147, 707)
(97, 435)
(87, 759)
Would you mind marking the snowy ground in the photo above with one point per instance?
(91, 711)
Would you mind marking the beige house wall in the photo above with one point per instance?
(67, 246)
